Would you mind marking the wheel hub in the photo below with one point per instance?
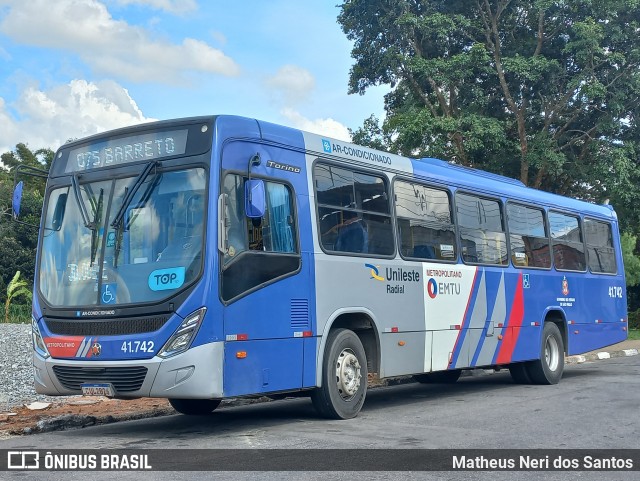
(551, 353)
(348, 374)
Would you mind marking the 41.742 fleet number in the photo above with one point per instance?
(615, 292)
(130, 347)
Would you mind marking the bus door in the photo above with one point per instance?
(265, 277)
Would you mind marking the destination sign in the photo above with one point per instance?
(124, 150)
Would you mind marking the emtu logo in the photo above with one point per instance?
(326, 146)
(432, 288)
(375, 274)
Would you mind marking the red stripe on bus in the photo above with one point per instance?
(513, 326)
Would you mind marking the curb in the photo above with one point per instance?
(600, 355)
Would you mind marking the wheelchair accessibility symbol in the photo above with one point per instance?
(108, 295)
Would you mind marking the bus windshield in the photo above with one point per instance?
(124, 241)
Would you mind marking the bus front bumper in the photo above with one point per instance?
(194, 374)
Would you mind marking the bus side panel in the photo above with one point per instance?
(309, 362)
(494, 321)
(389, 292)
(262, 366)
(455, 304)
(443, 348)
(405, 352)
(527, 345)
(588, 337)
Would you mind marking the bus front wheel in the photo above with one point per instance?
(194, 407)
(344, 377)
(548, 368)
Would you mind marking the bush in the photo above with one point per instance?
(19, 314)
(634, 319)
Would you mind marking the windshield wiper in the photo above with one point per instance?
(83, 208)
(97, 214)
(92, 225)
(118, 220)
(132, 192)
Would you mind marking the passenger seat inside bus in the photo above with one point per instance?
(424, 252)
(353, 237)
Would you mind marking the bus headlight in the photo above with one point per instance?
(38, 343)
(181, 340)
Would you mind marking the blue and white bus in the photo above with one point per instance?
(215, 257)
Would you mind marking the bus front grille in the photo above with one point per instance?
(124, 379)
(106, 327)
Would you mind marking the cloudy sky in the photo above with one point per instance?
(71, 68)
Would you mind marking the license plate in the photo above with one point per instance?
(105, 389)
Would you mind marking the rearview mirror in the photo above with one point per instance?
(255, 199)
(17, 199)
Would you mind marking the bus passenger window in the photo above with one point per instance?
(566, 239)
(528, 235)
(425, 229)
(602, 258)
(353, 211)
(481, 230)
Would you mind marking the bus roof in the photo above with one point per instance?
(493, 184)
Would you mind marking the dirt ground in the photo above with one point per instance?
(79, 412)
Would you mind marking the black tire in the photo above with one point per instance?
(519, 373)
(344, 377)
(439, 377)
(548, 369)
(194, 407)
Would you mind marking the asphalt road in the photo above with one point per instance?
(596, 405)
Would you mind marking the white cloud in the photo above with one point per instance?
(292, 84)
(177, 7)
(112, 47)
(73, 110)
(4, 55)
(328, 127)
(219, 37)
(9, 130)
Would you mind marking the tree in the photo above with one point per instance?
(541, 90)
(17, 287)
(631, 261)
(23, 156)
(18, 242)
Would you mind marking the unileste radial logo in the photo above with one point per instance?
(396, 278)
(375, 273)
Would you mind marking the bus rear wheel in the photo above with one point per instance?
(344, 377)
(194, 407)
(519, 373)
(548, 368)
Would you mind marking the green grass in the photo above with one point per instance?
(18, 314)
(634, 334)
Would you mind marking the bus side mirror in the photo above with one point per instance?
(17, 199)
(255, 199)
